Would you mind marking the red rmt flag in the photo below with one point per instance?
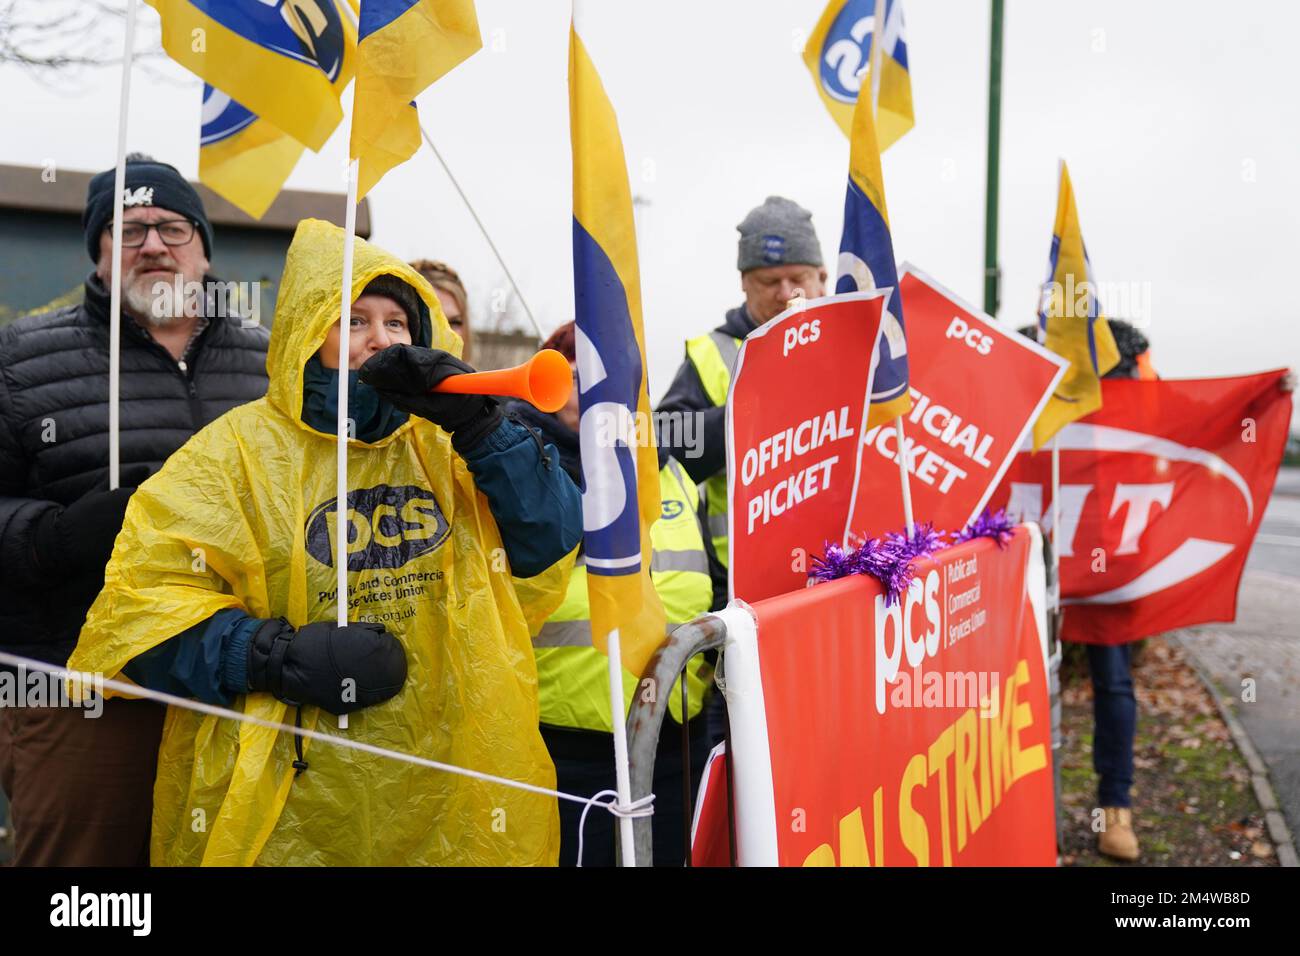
(1162, 491)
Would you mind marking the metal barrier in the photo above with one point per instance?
(646, 717)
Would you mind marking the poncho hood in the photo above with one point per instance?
(308, 305)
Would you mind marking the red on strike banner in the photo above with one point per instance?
(904, 734)
(1162, 491)
(795, 413)
(977, 388)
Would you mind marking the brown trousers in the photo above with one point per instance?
(81, 789)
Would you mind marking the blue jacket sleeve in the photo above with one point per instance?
(537, 507)
(209, 661)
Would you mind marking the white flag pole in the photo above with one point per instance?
(876, 55)
(1054, 599)
(115, 291)
(905, 478)
(622, 774)
(345, 340)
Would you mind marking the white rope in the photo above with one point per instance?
(638, 808)
(633, 810)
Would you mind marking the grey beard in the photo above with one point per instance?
(144, 305)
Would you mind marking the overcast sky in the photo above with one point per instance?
(1179, 120)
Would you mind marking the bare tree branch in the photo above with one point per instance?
(57, 42)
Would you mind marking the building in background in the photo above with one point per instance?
(43, 249)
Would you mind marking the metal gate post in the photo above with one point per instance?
(646, 717)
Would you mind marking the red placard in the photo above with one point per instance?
(1162, 491)
(977, 388)
(916, 733)
(795, 413)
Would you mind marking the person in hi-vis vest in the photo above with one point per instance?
(779, 259)
(573, 681)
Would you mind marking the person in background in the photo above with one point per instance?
(453, 298)
(779, 259)
(1114, 703)
(573, 681)
(81, 789)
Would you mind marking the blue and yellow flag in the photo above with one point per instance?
(1071, 322)
(286, 62)
(242, 157)
(867, 262)
(620, 467)
(405, 46)
(838, 56)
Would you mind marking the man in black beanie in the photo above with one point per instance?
(80, 779)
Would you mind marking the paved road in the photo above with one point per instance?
(1263, 645)
(1277, 546)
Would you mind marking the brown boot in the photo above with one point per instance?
(1117, 839)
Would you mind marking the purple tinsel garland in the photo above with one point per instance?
(889, 559)
(993, 525)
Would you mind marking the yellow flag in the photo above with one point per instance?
(404, 46)
(838, 55)
(1072, 323)
(621, 499)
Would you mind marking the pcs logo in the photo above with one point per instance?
(671, 509)
(310, 31)
(846, 49)
(387, 527)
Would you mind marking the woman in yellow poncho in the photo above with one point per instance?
(222, 587)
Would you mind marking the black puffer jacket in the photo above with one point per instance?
(54, 438)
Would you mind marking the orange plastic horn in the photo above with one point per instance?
(545, 381)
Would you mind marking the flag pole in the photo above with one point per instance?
(622, 775)
(992, 275)
(877, 54)
(115, 293)
(613, 649)
(905, 479)
(1054, 599)
(541, 336)
(345, 322)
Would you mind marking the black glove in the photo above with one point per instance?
(403, 375)
(340, 669)
(80, 537)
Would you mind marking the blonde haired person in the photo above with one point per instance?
(222, 587)
(452, 296)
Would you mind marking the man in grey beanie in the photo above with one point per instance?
(779, 259)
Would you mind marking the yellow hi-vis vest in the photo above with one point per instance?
(714, 356)
(572, 676)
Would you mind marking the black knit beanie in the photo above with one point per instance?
(401, 293)
(148, 183)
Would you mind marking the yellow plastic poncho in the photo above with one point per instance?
(243, 516)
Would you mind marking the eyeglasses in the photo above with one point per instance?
(173, 232)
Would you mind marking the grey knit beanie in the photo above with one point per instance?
(778, 233)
